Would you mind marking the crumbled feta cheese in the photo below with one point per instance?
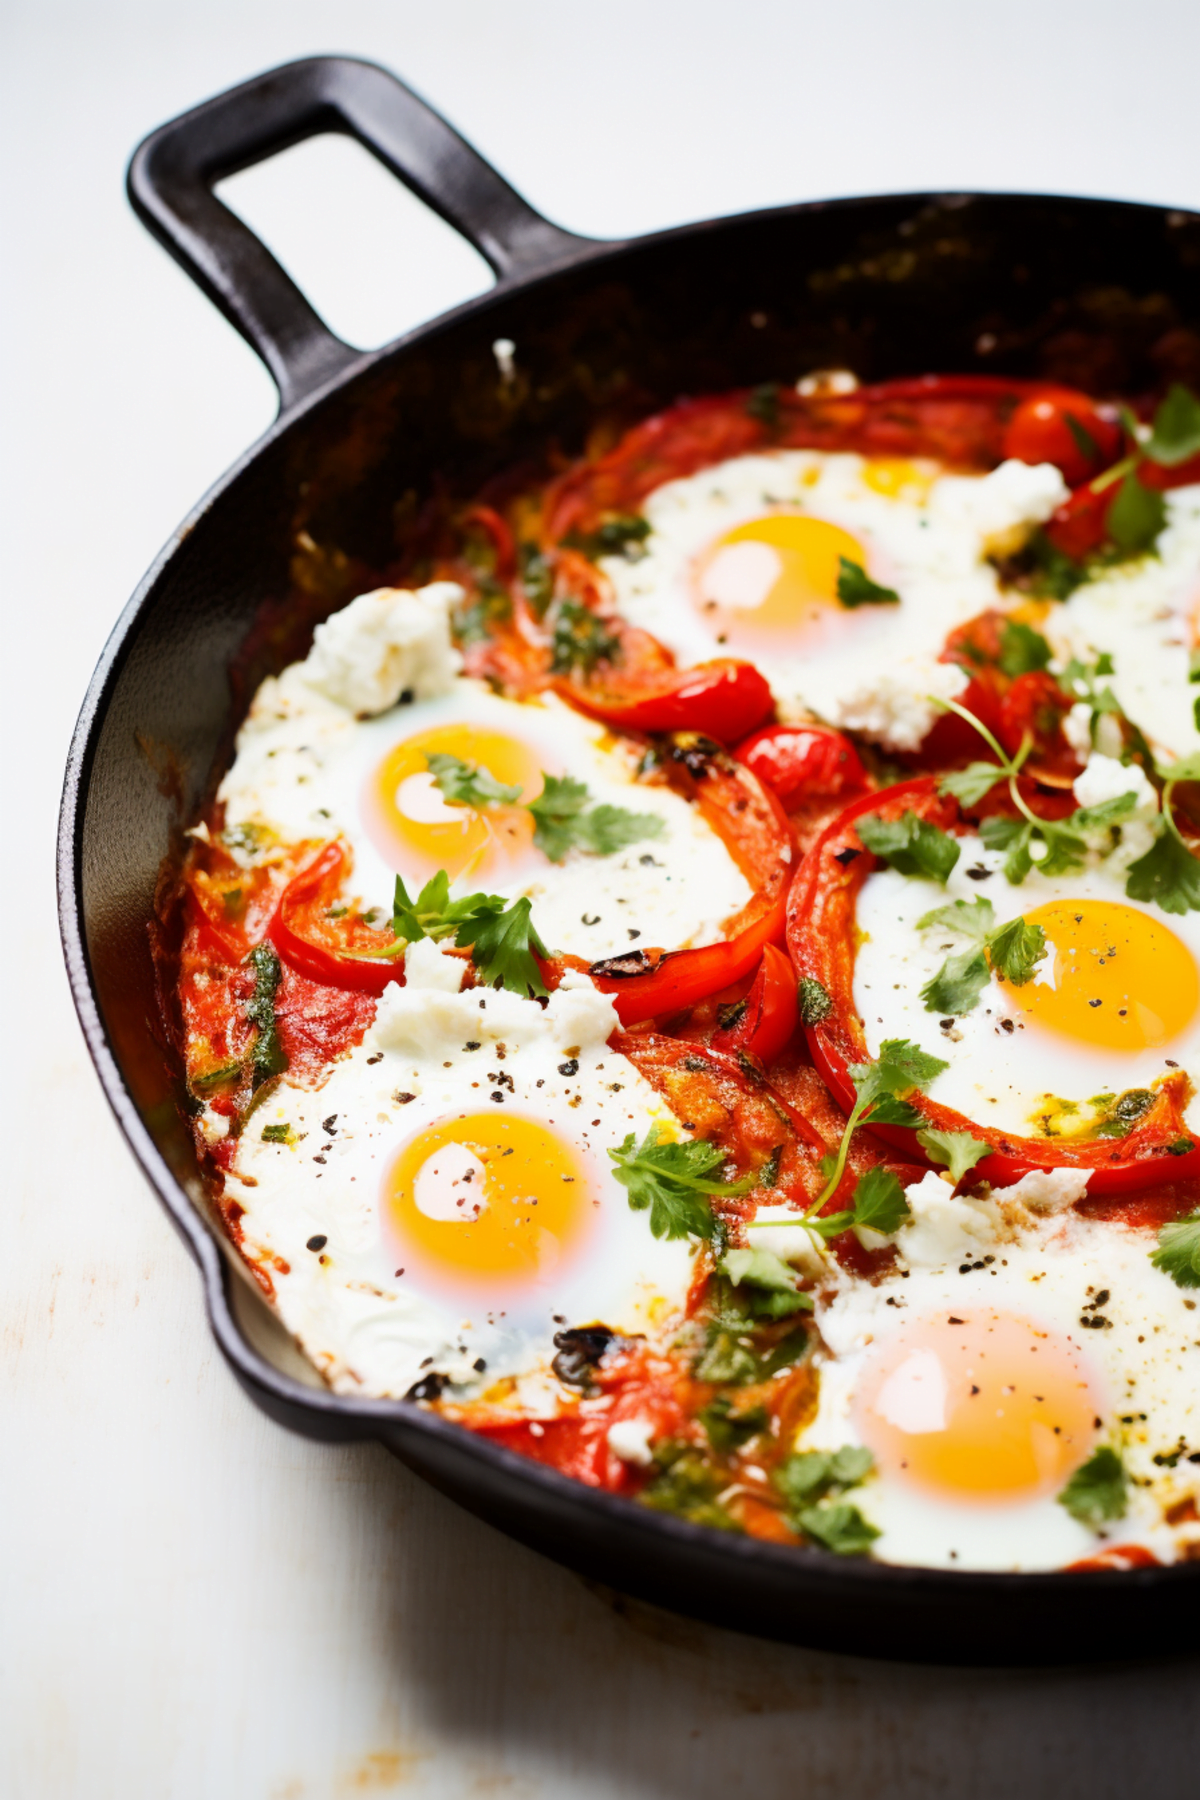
(431, 1021)
(432, 966)
(943, 1229)
(1005, 504)
(1045, 1190)
(1106, 779)
(896, 709)
(384, 644)
(629, 1440)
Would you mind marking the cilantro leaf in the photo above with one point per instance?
(1016, 949)
(811, 1474)
(1178, 1252)
(900, 1067)
(975, 919)
(879, 1202)
(855, 587)
(580, 640)
(815, 1003)
(1168, 874)
(673, 1181)
(1097, 1492)
(969, 785)
(955, 990)
(1176, 433)
(1136, 516)
(613, 537)
(958, 1151)
(268, 1056)
(564, 820)
(838, 1527)
(887, 1110)
(777, 1294)
(1014, 836)
(502, 946)
(910, 845)
(1065, 850)
(433, 914)
(467, 784)
(1106, 813)
(1022, 649)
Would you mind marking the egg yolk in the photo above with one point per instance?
(417, 829)
(981, 1406)
(490, 1201)
(1112, 976)
(773, 577)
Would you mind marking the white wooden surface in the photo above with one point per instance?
(193, 1603)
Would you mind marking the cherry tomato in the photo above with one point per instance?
(799, 762)
(769, 1014)
(1040, 431)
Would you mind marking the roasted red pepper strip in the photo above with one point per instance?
(802, 762)
(723, 699)
(317, 946)
(768, 1015)
(821, 938)
(754, 829)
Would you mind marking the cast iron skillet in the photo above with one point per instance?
(1096, 291)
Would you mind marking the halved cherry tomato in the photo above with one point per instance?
(647, 984)
(722, 699)
(321, 947)
(799, 762)
(1040, 431)
(821, 939)
(1034, 707)
(769, 1013)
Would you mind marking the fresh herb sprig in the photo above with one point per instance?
(674, 1182)
(1098, 1492)
(1013, 950)
(811, 1484)
(500, 934)
(1168, 874)
(267, 1055)
(563, 814)
(855, 587)
(1178, 1252)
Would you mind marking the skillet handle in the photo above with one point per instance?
(173, 172)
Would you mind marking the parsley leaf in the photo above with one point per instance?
(1104, 814)
(815, 1003)
(838, 1527)
(910, 845)
(1016, 949)
(975, 919)
(433, 914)
(879, 1203)
(1097, 1492)
(268, 1056)
(900, 1067)
(673, 1180)
(1168, 874)
(612, 537)
(728, 1430)
(855, 587)
(1176, 433)
(1022, 649)
(580, 640)
(564, 819)
(969, 785)
(955, 990)
(777, 1294)
(1136, 516)
(958, 1151)
(1013, 836)
(502, 946)
(467, 784)
(1178, 1253)
(812, 1474)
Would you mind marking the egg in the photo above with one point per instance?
(1113, 1005)
(987, 1366)
(444, 1202)
(744, 559)
(311, 766)
(1145, 614)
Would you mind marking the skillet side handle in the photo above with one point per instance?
(174, 170)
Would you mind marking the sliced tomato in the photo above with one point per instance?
(821, 938)
(1064, 427)
(648, 984)
(767, 1017)
(723, 699)
(331, 950)
(802, 762)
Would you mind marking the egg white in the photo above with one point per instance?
(371, 1331)
(1144, 615)
(999, 1072)
(874, 667)
(303, 760)
(1145, 1358)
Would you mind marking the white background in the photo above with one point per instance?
(193, 1603)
